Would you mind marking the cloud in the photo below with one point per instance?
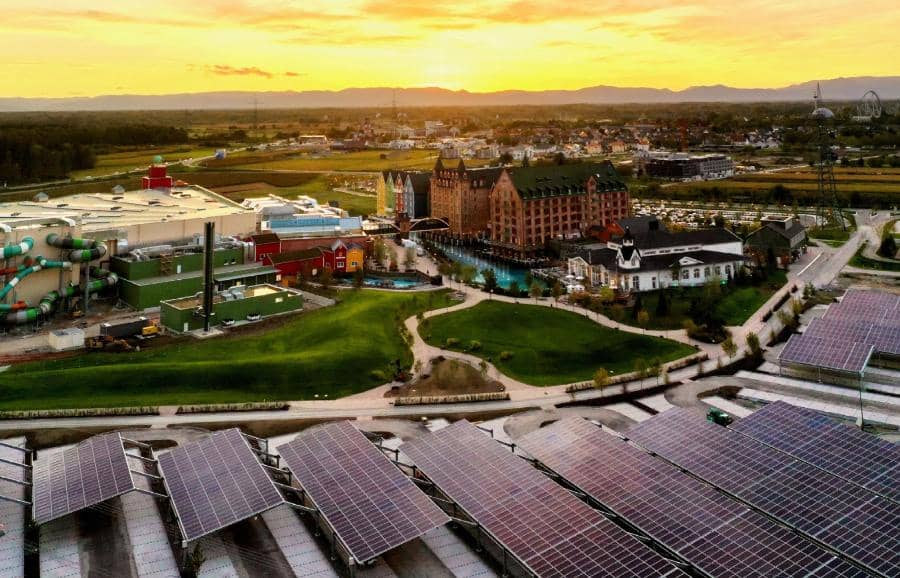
(293, 74)
(226, 70)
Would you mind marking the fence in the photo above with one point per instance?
(626, 377)
(441, 399)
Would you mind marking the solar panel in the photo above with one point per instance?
(548, 529)
(216, 482)
(845, 451)
(372, 506)
(716, 534)
(808, 349)
(834, 511)
(79, 477)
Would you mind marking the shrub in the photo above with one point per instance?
(451, 342)
(474, 345)
(506, 355)
(378, 375)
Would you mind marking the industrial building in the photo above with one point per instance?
(154, 274)
(232, 305)
(47, 243)
(683, 166)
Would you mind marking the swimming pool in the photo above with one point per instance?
(505, 274)
(388, 283)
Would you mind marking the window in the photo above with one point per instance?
(354, 264)
(728, 270)
(718, 271)
(636, 283)
(653, 281)
(706, 272)
(696, 273)
(686, 274)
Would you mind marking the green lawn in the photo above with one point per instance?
(548, 346)
(737, 304)
(331, 351)
(369, 161)
(863, 262)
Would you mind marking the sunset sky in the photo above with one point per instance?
(71, 48)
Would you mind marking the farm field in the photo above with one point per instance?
(127, 160)
(330, 352)
(855, 185)
(548, 346)
(363, 161)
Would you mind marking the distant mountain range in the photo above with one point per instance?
(838, 89)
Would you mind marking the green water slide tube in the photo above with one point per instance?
(39, 263)
(20, 249)
(83, 250)
(49, 302)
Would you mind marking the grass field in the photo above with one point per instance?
(126, 160)
(736, 306)
(363, 161)
(318, 187)
(332, 351)
(548, 346)
(863, 262)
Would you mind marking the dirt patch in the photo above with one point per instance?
(448, 377)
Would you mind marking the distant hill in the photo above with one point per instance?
(838, 89)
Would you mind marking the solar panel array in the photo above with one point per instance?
(858, 524)
(79, 477)
(864, 322)
(371, 505)
(845, 451)
(551, 531)
(216, 482)
(715, 533)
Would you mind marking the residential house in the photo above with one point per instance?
(339, 257)
(784, 236)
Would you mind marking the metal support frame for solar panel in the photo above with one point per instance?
(27, 470)
(684, 560)
(256, 483)
(321, 459)
(602, 525)
(700, 422)
(778, 412)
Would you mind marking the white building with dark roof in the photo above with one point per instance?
(656, 258)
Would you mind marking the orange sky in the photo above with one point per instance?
(74, 48)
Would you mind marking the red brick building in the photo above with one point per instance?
(461, 196)
(531, 205)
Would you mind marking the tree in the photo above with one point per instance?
(379, 251)
(771, 259)
(637, 307)
(662, 304)
(194, 561)
(445, 269)
(326, 278)
(506, 158)
(456, 271)
(468, 274)
(719, 220)
(359, 278)
(490, 280)
(753, 346)
(729, 347)
(514, 289)
(529, 278)
(409, 262)
(601, 379)
(535, 290)
(655, 369)
(643, 318)
(888, 247)
(607, 295)
(640, 368)
(557, 291)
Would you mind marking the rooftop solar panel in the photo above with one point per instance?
(216, 482)
(372, 506)
(552, 532)
(845, 451)
(859, 525)
(718, 535)
(79, 477)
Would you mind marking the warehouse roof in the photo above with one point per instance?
(104, 211)
(229, 273)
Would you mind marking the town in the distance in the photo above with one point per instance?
(388, 340)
